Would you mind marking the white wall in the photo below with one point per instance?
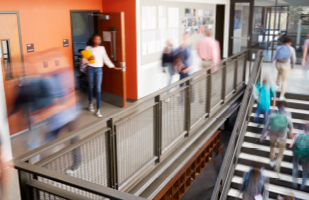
(4, 127)
(150, 76)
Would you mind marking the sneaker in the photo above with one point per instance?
(91, 107)
(282, 98)
(278, 87)
(98, 114)
(278, 175)
(71, 171)
(272, 163)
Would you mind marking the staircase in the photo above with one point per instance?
(254, 152)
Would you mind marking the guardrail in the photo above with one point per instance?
(114, 151)
(230, 160)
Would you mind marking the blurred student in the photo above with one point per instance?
(285, 59)
(305, 61)
(6, 175)
(300, 145)
(95, 72)
(185, 53)
(208, 50)
(253, 186)
(263, 93)
(168, 61)
(277, 127)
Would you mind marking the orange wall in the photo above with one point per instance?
(46, 23)
(129, 9)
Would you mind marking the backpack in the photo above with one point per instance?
(301, 148)
(279, 124)
(283, 53)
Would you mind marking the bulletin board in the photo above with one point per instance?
(165, 20)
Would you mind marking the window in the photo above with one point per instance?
(7, 60)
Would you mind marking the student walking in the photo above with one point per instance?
(285, 59)
(95, 72)
(253, 186)
(208, 50)
(263, 93)
(300, 145)
(168, 61)
(277, 127)
(305, 61)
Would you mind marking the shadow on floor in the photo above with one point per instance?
(202, 187)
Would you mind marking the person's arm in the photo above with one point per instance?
(216, 53)
(293, 57)
(265, 130)
(273, 90)
(6, 175)
(106, 60)
(293, 141)
(305, 53)
(290, 125)
(198, 48)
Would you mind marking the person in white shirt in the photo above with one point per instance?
(95, 72)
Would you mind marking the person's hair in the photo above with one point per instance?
(90, 42)
(287, 40)
(282, 104)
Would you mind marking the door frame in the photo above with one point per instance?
(20, 38)
(231, 31)
(71, 12)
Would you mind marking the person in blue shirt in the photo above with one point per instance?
(186, 57)
(263, 94)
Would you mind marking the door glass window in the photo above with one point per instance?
(6, 59)
(241, 25)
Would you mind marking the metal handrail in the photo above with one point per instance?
(230, 160)
(109, 124)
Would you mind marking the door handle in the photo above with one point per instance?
(122, 66)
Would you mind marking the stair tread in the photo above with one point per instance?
(292, 110)
(258, 136)
(299, 121)
(270, 174)
(295, 130)
(277, 189)
(265, 160)
(264, 148)
(235, 193)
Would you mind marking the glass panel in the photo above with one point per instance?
(6, 59)
(241, 25)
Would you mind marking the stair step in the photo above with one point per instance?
(235, 194)
(294, 121)
(275, 189)
(256, 137)
(296, 113)
(284, 180)
(249, 159)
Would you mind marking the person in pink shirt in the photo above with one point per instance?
(208, 50)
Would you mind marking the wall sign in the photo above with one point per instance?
(30, 48)
(66, 43)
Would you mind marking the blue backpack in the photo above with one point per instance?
(283, 53)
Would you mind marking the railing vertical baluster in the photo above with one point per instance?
(158, 127)
(245, 67)
(112, 155)
(235, 74)
(208, 95)
(189, 98)
(224, 66)
(25, 192)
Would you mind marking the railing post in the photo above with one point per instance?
(235, 74)
(189, 98)
(245, 67)
(25, 192)
(208, 95)
(224, 65)
(158, 127)
(112, 155)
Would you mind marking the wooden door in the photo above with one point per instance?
(12, 68)
(111, 28)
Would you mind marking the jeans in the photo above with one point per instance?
(305, 167)
(95, 75)
(257, 115)
(171, 72)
